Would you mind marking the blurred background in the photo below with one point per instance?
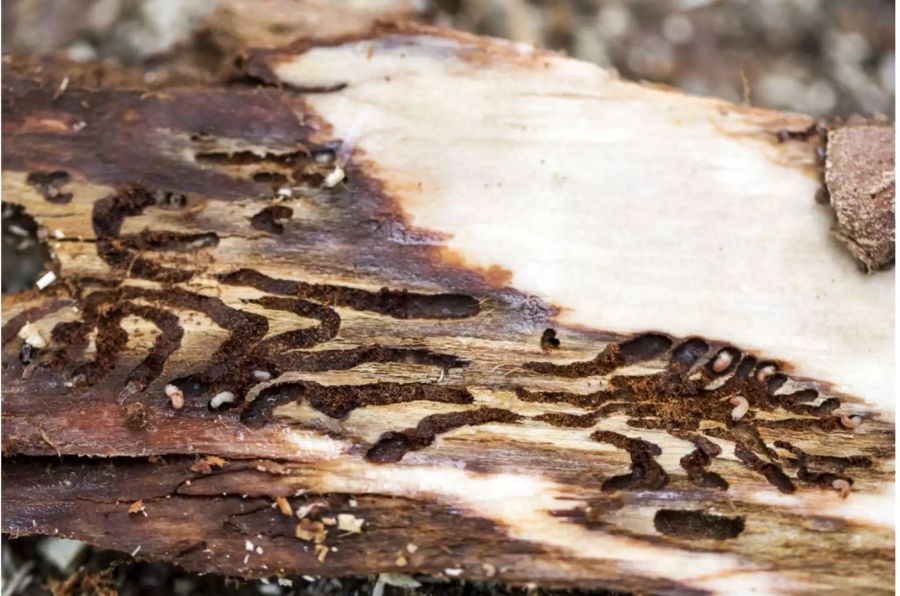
(826, 58)
(821, 57)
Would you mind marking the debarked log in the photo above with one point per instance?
(421, 302)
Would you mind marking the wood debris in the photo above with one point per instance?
(137, 507)
(321, 552)
(311, 531)
(206, 465)
(350, 523)
(284, 506)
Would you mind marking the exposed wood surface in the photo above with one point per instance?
(367, 251)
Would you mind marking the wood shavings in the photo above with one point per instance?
(311, 531)
(206, 465)
(304, 510)
(32, 336)
(272, 467)
(321, 552)
(350, 523)
(137, 507)
(284, 506)
(63, 85)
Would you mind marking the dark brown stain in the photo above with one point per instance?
(108, 216)
(677, 400)
(164, 240)
(240, 158)
(270, 218)
(773, 472)
(697, 525)
(695, 462)
(645, 473)
(50, 184)
(343, 359)
(392, 446)
(273, 178)
(104, 310)
(638, 349)
(838, 462)
(549, 341)
(337, 401)
(136, 416)
(399, 304)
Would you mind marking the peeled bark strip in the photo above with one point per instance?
(862, 191)
(367, 253)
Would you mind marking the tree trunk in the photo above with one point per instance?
(520, 319)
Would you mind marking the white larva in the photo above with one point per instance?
(175, 395)
(763, 374)
(742, 406)
(842, 486)
(334, 177)
(225, 397)
(262, 375)
(722, 361)
(45, 280)
(851, 420)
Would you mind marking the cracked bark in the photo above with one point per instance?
(387, 341)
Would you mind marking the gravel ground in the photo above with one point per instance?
(823, 57)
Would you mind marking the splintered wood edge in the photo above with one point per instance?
(509, 462)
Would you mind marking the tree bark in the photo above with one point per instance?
(520, 319)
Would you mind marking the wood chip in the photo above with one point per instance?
(206, 465)
(284, 506)
(272, 467)
(137, 507)
(32, 336)
(311, 531)
(350, 523)
(321, 552)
